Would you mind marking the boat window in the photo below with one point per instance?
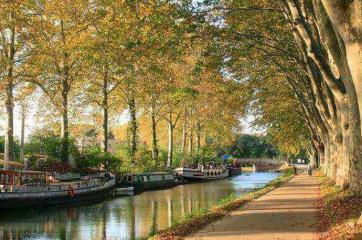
(169, 177)
(155, 178)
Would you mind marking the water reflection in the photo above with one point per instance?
(124, 218)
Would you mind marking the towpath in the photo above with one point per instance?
(286, 213)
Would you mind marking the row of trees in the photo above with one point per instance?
(194, 68)
(92, 60)
(305, 74)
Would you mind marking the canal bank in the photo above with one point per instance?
(200, 219)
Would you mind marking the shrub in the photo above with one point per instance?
(204, 155)
(144, 161)
(16, 147)
(111, 163)
(88, 158)
(93, 157)
(48, 145)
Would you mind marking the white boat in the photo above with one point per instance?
(202, 174)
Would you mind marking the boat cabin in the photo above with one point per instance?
(149, 177)
(144, 181)
(213, 172)
(13, 179)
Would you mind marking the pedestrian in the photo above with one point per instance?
(295, 169)
(309, 170)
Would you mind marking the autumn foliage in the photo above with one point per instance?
(338, 213)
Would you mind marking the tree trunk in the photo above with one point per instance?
(9, 134)
(9, 99)
(191, 137)
(345, 17)
(198, 136)
(313, 156)
(321, 155)
(359, 222)
(105, 129)
(154, 133)
(191, 142)
(22, 133)
(105, 110)
(65, 132)
(133, 125)
(65, 93)
(184, 133)
(170, 142)
(331, 40)
(327, 159)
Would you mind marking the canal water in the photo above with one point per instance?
(124, 218)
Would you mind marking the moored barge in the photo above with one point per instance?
(148, 181)
(34, 188)
(202, 174)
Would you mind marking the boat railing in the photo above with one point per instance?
(21, 188)
(62, 187)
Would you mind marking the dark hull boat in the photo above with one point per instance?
(234, 171)
(147, 181)
(16, 195)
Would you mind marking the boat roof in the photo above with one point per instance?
(21, 171)
(11, 163)
(186, 169)
(151, 173)
(195, 169)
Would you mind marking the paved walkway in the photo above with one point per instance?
(286, 213)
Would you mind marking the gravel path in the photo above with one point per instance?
(286, 213)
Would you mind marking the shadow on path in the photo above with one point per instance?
(286, 213)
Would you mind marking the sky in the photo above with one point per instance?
(31, 124)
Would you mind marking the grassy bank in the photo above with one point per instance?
(338, 213)
(200, 219)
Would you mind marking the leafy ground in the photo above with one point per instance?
(197, 221)
(338, 213)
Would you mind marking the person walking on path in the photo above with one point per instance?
(309, 170)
